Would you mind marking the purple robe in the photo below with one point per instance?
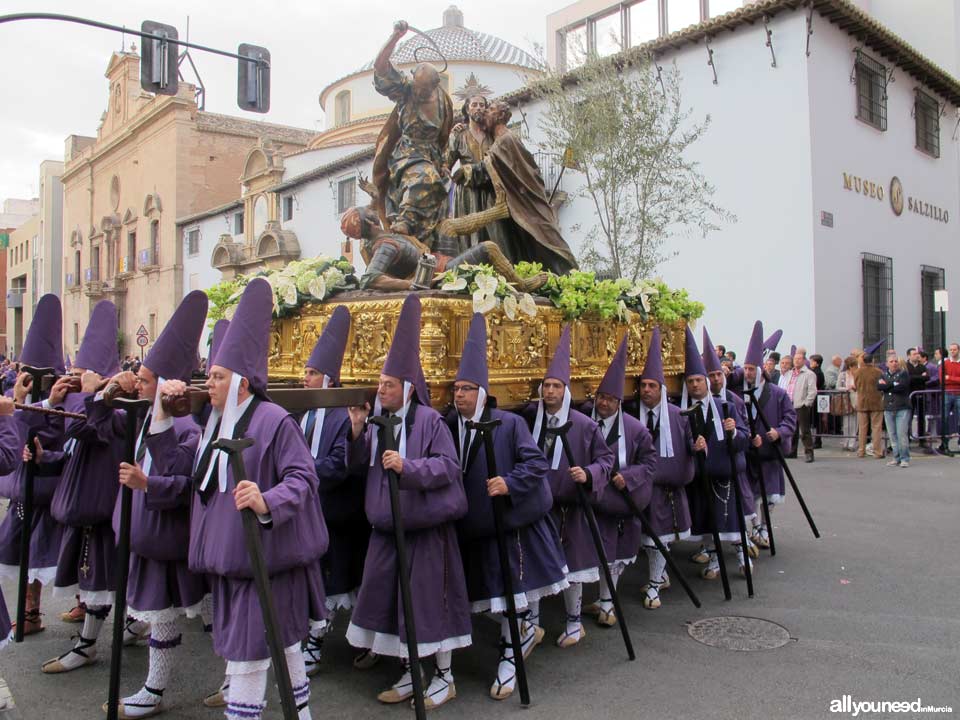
(46, 533)
(160, 585)
(722, 501)
(432, 498)
(669, 509)
(619, 527)
(537, 564)
(294, 537)
(84, 502)
(591, 453)
(779, 412)
(341, 497)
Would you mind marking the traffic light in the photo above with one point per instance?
(158, 59)
(253, 78)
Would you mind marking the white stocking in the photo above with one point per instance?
(246, 696)
(572, 599)
(299, 681)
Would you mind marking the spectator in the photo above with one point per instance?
(895, 384)
(951, 386)
(832, 372)
(918, 375)
(846, 381)
(732, 357)
(786, 367)
(815, 365)
(819, 422)
(869, 407)
(721, 351)
(801, 387)
(771, 369)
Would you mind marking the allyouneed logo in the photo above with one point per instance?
(848, 705)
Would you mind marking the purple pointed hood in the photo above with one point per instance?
(174, 353)
(873, 348)
(473, 361)
(615, 377)
(43, 346)
(246, 343)
(754, 354)
(711, 362)
(693, 363)
(770, 344)
(793, 348)
(327, 355)
(403, 358)
(219, 330)
(98, 351)
(559, 368)
(653, 368)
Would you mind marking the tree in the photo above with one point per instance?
(628, 133)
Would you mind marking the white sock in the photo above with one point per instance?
(572, 599)
(134, 630)
(299, 681)
(247, 693)
(605, 601)
(533, 617)
(405, 683)
(313, 647)
(439, 687)
(656, 565)
(92, 623)
(163, 639)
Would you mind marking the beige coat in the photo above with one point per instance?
(805, 389)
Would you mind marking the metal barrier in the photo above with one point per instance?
(922, 402)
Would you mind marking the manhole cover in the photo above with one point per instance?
(739, 633)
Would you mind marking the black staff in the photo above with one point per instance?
(561, 435)
(485, 429)
(741, 522)
(783, 463)
(261, 577)
(133, 410)
(26, 506)
(388, 441)
(757, 468)
(695, 414)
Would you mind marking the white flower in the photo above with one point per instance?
(229, 311)
(634, 291)
(623, 312)
(487, 284)
(333, 277)
(483, 303)
(645, 302)
(287, 291)
(236, 296)
(527, 305)
(454, 285)
(510, 306)
(318, 287)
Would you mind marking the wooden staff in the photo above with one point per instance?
(49, 411)
(738, 496)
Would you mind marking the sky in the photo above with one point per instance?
(53, 72)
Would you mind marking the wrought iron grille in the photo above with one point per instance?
(931, 278)
(871, 79)
(550, 165)
(877, 300)
(926, 113)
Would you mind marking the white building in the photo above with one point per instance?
(816, 141)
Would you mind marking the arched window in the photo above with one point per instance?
(341, 108)
(76, 268)
(259, 215)
(155, 242)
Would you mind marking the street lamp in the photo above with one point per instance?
(940, 304)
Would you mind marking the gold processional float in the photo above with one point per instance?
(518, 351)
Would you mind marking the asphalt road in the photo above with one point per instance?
(871, 609)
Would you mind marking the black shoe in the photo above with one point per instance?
(817, 444)
(809, 457)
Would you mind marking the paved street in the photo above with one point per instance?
(871, 609)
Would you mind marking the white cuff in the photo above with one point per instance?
(266, 519)
(158, 425)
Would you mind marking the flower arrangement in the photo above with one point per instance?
(576, 294)
(310, 280)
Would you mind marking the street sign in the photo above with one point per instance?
(940, 301)
(142, 340)
(142, 331)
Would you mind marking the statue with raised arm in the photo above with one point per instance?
(411, 198)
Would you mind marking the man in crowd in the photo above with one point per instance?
(772, 367)
(919, 377)
(832, 372)
(432, 499)
(593, 463)
(801, 386)
(668, 511)
(869, 407)
(537, 565)
(951, 382)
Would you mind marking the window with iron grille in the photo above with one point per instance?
(877, 301)
(346, 194)
(193, 242)
(288, 208)
(926, 113)
(238, 223)
(931, 279)
(871, 79)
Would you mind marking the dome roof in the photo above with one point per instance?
(458, 44)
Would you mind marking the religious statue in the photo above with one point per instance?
(530, 230)
(407, 167)
(392, 258)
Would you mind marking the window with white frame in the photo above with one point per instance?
(346, 194)
(288, 208)
(193, 242)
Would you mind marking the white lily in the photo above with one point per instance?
(455, 285)
(510, 306)
(487, 284)
(318, 287)
(527, 305)
(483, 303)
(287, 291)
(645, 302)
